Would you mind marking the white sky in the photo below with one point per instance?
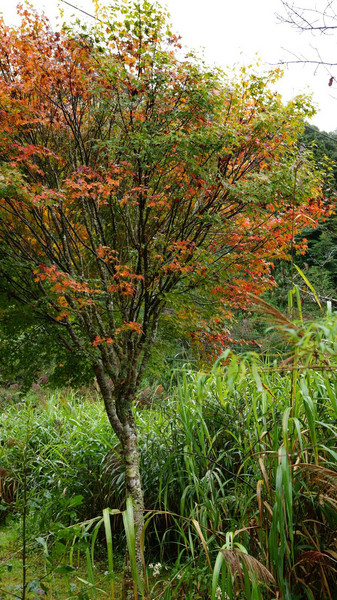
(237, 31)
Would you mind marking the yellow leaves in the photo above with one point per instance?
(130, 60)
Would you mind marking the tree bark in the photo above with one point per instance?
(109, 404)
(122, 420)
(133, 485)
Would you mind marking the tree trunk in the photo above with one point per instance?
(132, 468)
(121, 417)
(135, 491)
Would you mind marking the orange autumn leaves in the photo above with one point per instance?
(131, 326)
(138, 175)
(63, 286)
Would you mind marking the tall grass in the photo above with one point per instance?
(239, 473)
(250, 466)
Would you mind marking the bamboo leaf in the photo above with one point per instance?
(310, 286)
(108, 537)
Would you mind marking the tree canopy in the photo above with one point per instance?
(128, 169)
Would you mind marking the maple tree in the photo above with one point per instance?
(134, 178)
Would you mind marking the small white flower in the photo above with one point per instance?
(156, 569)
(219, 595)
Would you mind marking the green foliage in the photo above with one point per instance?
(239, 476)
(67, 444)
(319, 261)
(323, 146)
(31, 350)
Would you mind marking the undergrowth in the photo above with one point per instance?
(239, 476)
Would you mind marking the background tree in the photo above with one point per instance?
(319, 261)
(132, 176)
(318, 19)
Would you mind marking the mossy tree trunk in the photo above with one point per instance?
(133, 486)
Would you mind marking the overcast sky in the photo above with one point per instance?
(239, 31)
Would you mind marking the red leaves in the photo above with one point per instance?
(102, 340)
(128, 326)
(35, 62)
(124, 280)
(46, 197)
(124, 287)
(106, 254)
(134, 326)
(100, 185)
(62, 316)
(62, 282)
